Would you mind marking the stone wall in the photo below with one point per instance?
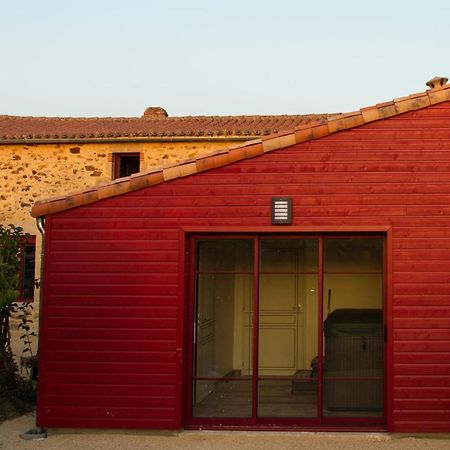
(37, 171)
(32, 172)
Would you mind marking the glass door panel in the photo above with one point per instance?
(317, 352)
(288, 332)
(353, 327)
(222, 383)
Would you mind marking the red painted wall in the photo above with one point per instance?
(110, 341)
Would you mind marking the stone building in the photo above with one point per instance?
(44, 157)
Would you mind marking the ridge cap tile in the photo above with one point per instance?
(313, 126)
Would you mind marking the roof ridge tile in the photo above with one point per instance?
(314, 129)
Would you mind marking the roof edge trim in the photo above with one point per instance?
(246, 150)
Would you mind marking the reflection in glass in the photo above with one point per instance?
(353, 327)
(288, 341)
(223, 344)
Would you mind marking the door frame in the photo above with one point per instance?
(188, 237)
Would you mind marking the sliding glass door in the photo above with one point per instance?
(286, 330)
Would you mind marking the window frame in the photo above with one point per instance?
(29, 242)
(116, 159)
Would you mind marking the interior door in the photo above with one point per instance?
(288, 339)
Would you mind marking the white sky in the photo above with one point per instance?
(115, 57)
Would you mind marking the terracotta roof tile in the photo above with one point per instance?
(16, 128)
(249, 149)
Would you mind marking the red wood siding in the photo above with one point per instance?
(110, 338)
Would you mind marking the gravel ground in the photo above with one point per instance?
(205, 440)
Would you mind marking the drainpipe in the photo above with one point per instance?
(38, 432)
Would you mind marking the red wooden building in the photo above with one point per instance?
(301, 281)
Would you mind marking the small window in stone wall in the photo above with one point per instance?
(26, 276)
(125, 164)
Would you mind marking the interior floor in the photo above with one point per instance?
(276, 398)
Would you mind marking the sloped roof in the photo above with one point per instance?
(249, 149)
(16, 129)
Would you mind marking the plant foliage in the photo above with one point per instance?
(12, 239)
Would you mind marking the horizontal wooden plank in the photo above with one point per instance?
(421, 300)
(113, 355)
(423, 254)
(349, 166)
(422, 381)
(117, 267)
(106, 311)
(138, 349)
(424, 277)
(218, 178)
(110, 401)
(101, 277)
(424, 310)
(421, 426)
(425, 357)
(112, 322)
(107, 378)
(423, 393)
(102, 245)
(423, 322)
(159, 339)
(423, 334)
(423, 243)
(406, 187)
(422, 346)
(119, 234)
(130, 390)
(414, 369)
(421, 288)
(144, 299)
(113, 290)
(113, 415)
(421, 233)
(49, 421)
(160, 374)
(430, 416)
(430, 150)
(422, 404)
(133, 257)
(413, 266)
(220, 200)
